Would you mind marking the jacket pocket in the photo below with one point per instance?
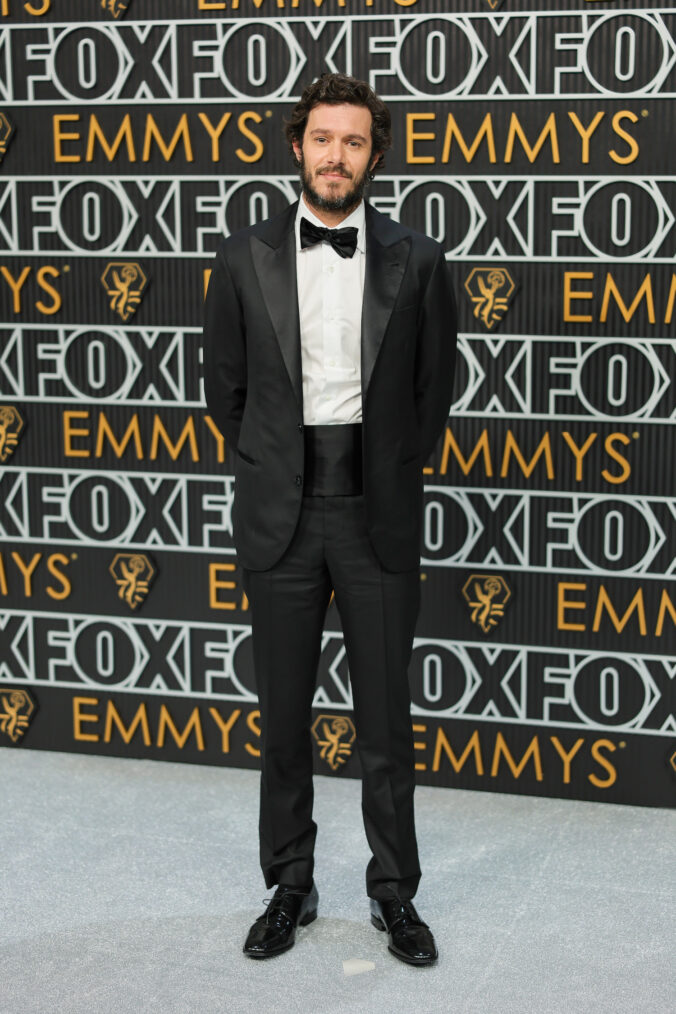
(245, 457)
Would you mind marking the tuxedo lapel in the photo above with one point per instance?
(386, 258)
(274, 260)
(273, 254)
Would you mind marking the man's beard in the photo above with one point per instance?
(348, 202)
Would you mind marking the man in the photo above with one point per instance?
(328, 362)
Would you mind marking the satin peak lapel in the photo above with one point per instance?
(276, 270)
(385, 266)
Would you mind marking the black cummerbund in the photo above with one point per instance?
(333, 460)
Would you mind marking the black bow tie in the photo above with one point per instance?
(343, 241)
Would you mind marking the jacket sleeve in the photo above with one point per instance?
(224, 352)
(435, 356)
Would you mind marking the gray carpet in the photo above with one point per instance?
(128, 886)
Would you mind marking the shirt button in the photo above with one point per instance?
(331, 362)
(329, 269)
(299, 480)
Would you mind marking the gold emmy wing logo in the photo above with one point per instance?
(11, 425)
(335, 735)
(16, 712)
(115, 7)
(486, 595)
(124, 281)
(490, 290)
(6, 131)
(133, 573)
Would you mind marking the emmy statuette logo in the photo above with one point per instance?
(6, 131)
(490, 290)
(16, 712)
(335, 735)
(486, 595)
(124, 281)
(117, 8)
(133, 574)
(11, 425)
(672, 762)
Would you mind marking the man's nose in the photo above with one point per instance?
(335, 152)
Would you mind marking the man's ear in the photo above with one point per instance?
(297, 150)
(375, 160)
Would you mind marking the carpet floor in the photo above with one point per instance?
(128, 886)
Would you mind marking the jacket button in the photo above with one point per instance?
(299, 480)
(300, 427)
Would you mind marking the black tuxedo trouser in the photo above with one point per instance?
(378, 610)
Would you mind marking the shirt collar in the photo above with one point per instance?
(356, 219)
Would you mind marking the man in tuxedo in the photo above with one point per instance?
(329, 346)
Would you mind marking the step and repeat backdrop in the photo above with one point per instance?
(537, 146)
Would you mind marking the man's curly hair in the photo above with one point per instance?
(334, 90)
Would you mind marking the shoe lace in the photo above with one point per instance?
(275, 913)
(405, 914)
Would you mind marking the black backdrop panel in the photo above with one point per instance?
(534, 145)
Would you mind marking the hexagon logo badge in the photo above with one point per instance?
(17, 708)
(11, 425)
(116, 8)
(335, 735)
(490, 290)
(6, 132)
(133, 574)
(125, 282)
(486, 595)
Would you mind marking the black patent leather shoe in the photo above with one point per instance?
(275, 930)
(409, 938)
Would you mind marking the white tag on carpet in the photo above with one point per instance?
(355, 966)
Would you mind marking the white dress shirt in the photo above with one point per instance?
(330, 297)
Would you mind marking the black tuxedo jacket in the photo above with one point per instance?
(253, 385)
